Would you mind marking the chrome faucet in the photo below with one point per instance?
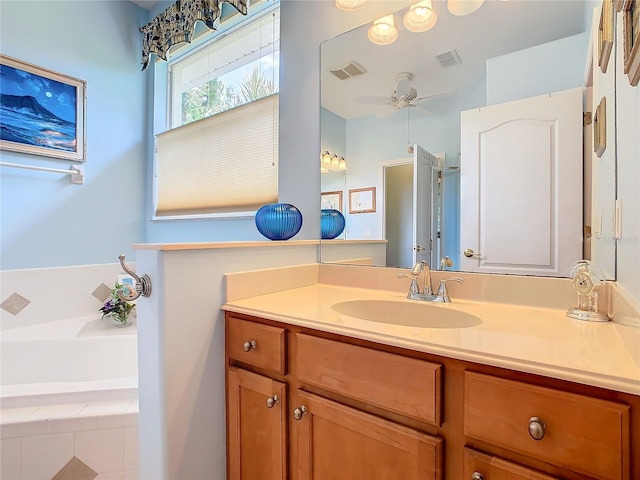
(426, 295)
(423, 266)
(415, 293)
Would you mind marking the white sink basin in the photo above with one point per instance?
(409, 314)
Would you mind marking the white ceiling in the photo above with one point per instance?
(497, 28)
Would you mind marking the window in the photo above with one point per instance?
(220, 154)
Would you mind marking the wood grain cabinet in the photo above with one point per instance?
(310, 405)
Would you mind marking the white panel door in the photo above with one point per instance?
(521, 186)
(423, 162)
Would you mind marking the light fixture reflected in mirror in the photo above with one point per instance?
(420, 17)
(383, 31)
(332, 163)
(463, 7)
(350, 5)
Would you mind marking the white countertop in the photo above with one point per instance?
(543, 341)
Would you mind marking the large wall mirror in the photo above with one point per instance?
(453, 188)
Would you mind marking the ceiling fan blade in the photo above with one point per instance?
(433, 96)
(373, 100)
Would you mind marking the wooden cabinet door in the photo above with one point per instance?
(257, 435)
(339, 442)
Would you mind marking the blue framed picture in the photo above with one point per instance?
(41, 112)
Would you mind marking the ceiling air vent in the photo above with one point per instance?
(449, 58)
(352, 70)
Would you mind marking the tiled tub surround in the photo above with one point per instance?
(83, 441)
(42, 295)
(69, 406)
(524, 326)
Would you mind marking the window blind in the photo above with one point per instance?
(226, 163)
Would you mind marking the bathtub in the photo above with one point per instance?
(68, 391)
(68, 361)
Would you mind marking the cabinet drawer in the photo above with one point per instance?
(586, 435)
(488, 467)
(399, 384)
(255, 344)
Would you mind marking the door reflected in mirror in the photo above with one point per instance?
(410, 96)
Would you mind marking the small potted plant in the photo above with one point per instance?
(120, 311)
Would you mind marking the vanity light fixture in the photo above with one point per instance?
(383, 31)
(350, 5)
(420, 17)
(332, 163)
(463, 7)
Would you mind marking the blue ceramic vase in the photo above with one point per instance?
(278, 221)
(331, 223)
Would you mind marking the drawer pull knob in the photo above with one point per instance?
(477, 476)
(249, 345)
(271, 401)
(537, 428)
(299, 412)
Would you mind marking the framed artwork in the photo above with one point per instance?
(362, 200)
(41, 112)
(600, 128)
(631, 35)
(331, 200)
(605, 34)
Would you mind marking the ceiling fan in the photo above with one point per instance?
(403, 96)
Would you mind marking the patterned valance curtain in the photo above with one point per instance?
(176, 24)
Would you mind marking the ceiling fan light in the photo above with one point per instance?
(420, 17)
(350, 5)
(463, 7)
(383, 31)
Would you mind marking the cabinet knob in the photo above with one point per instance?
(477, 476)
(249, 345)
(537, 428)
(299, 412)
(271, 401)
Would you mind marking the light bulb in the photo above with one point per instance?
(420, 17)
(383, 31)
(350, 5)
(463, 7)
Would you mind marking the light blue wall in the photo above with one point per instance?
(550, 67)
(47, 221)
(334, 133)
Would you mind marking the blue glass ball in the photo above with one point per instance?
(278, 221)
(331, 223)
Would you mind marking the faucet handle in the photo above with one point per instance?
(413, 288)
(442, 289)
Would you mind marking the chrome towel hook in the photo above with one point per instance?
(143, 285)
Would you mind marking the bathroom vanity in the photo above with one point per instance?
(312, 393)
